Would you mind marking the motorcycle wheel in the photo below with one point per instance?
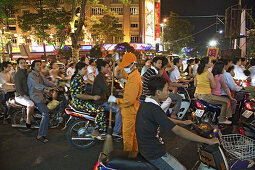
(79, 134)
(19, 118)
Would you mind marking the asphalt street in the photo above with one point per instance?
(21, 151)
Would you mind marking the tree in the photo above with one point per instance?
(7, 7)
(46, 25)
(177, 32)
(105, 30)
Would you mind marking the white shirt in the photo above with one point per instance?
(91, 72)
(195, 69)
(175, 74)
(150, 100)
(70, 71)
(239, 73)
(252, 75)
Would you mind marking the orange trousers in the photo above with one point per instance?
(129, 135)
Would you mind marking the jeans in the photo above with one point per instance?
(167, 162)
(178, 101)
(44, 124)
(118, 119)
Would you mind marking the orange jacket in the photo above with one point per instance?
(133, 89)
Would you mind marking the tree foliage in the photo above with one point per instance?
(105, 29)
(177, 32)
(46, 25)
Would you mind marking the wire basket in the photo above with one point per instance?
(241, 147)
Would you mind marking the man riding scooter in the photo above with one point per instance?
(150, 117)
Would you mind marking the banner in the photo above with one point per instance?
(212, 52)
(157, 21)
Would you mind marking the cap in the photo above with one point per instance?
(127, 59)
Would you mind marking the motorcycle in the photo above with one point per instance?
(80, 127)
(19, 114)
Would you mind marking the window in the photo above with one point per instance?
(12, 21)
(14, 40)
(11, 14)
(115, 1)
(119, 11)
(28, 41)
(97, 11)
(134, 39)
(118, 39)
(134, 11)
(134, 25)
(12, 28)
(117, 25)
(26, 11)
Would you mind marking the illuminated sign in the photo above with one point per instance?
(149, 21)
(157, 21)
(39, 49)
(86, 47)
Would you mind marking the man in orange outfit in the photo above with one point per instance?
(130, 102)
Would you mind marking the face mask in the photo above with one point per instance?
(128, 70)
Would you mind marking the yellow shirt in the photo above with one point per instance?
(203, 84)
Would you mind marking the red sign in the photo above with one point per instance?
(157, 21)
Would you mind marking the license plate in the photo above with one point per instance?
(247, 113)
(199, 112)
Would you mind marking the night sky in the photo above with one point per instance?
(204, 8)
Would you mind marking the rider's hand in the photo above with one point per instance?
(187, 122)
(213, 141)
(112, 99)
(96, 97)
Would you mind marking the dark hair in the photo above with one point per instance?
(243, 59)
(155, 59)
(156, 83)
(247, 72)
(218, 68)
(197, 60)
(176, 60)
(190, 61)
(235, 60)
(72, 64)
(18, 60)
(230, 69)
(5, 64)
(78, 67)
(83, 59)
(252, 62)
(225, 61)
(164, 61)
(101, 63)
(214, 61)
(91, 61)
(34, 62)
(202, 64)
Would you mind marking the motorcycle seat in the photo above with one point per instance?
(127, 160)
(211, 106)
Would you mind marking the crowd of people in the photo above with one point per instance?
(215, 81)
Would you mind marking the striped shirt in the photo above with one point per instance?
(146, 77)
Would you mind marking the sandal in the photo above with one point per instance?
(99, 137)
(42, 139)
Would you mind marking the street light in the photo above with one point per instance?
(221, 31)
(213, 43)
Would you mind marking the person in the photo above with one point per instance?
(189, 69)
(6, 80)
(175, 75)
(252, 70)
(221, 85)
(101, 88)
(204, 82)
(71, 69)
(197, 60)
(239, 75)
(45, 70)
(21, 94)
(54, 72)
(150, 117)
(37, 86)
(147, 65)
(80, 100)
(130, 102)
(91, 70)
(153, 71)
